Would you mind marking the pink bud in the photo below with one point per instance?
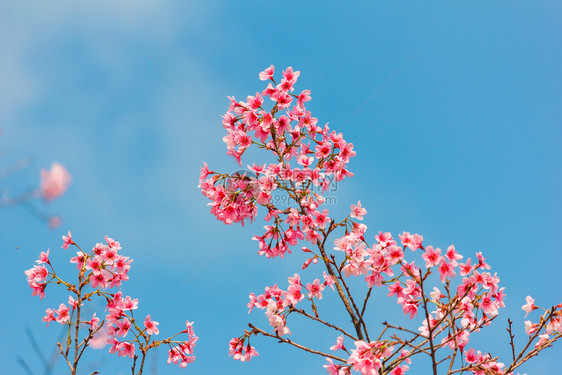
(306, 263)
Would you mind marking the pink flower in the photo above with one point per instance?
(471, 356)
(315, 289)
(294, 294)
(357, 211)
(466, 268)
(94, 323)
(54, 182)
(37, 274)
(123, 327)
(332, 368)
(446, 270)
(189, 328)
(416, 242)
(436, 295)
(481, 261)
(543, 339)
(67, 241)
(43, 258)
(126, 349)
(399, 370)
(367, 358)
(239, 351)
(452, 255)
(395, 288)
(303, 97)
(413, 242)
(339, 344)
(72, 302)
(289, 75)
(431, 256)
(267, 73)
(62, 314)
(328, 280)
(49, 317)
(530, 327)
(294, 280)
(404, 353)
(98, 280)
(529, 306)
(488, 306)
(38, 289)
(54, 222)
(409, 306)
(130, 304)
(250, 352)
(151, 326)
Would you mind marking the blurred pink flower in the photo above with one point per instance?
(54, 182)
(54, 222)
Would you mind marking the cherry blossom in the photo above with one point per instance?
(305, 159)
(54, 182)
(67, 241)
(529, 306)
(99, 271)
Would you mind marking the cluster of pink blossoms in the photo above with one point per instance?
(278, 303)
(451, 313)
(240, 350)
(290, 132)
(478, 291)
(99, 270)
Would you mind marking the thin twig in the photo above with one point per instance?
(304, 313)
(287, 341)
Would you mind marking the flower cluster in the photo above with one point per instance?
(478, 291)
(290, 132)
(549, 327)
(455, 297)
(367, 358)
(278, 303)
(99, 271)
(182, 353)
(241, 351)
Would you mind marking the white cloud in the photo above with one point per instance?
(28, 28)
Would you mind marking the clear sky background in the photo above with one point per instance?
(462, 146)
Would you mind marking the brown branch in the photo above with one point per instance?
(365, 301)
(429, 328)
(359, 315)
(304, 313)
(514, 364)
(65, 356)
(455, 333)
(287, 341)
(84, 343)
(536, 351)
(403, 329)
(409, 343)
(511, 337)
(345, 300)
(142, 362)
(134, 364)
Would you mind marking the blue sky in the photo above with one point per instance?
(462, 146)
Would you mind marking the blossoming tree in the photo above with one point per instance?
(99, 272)
(452, 296)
